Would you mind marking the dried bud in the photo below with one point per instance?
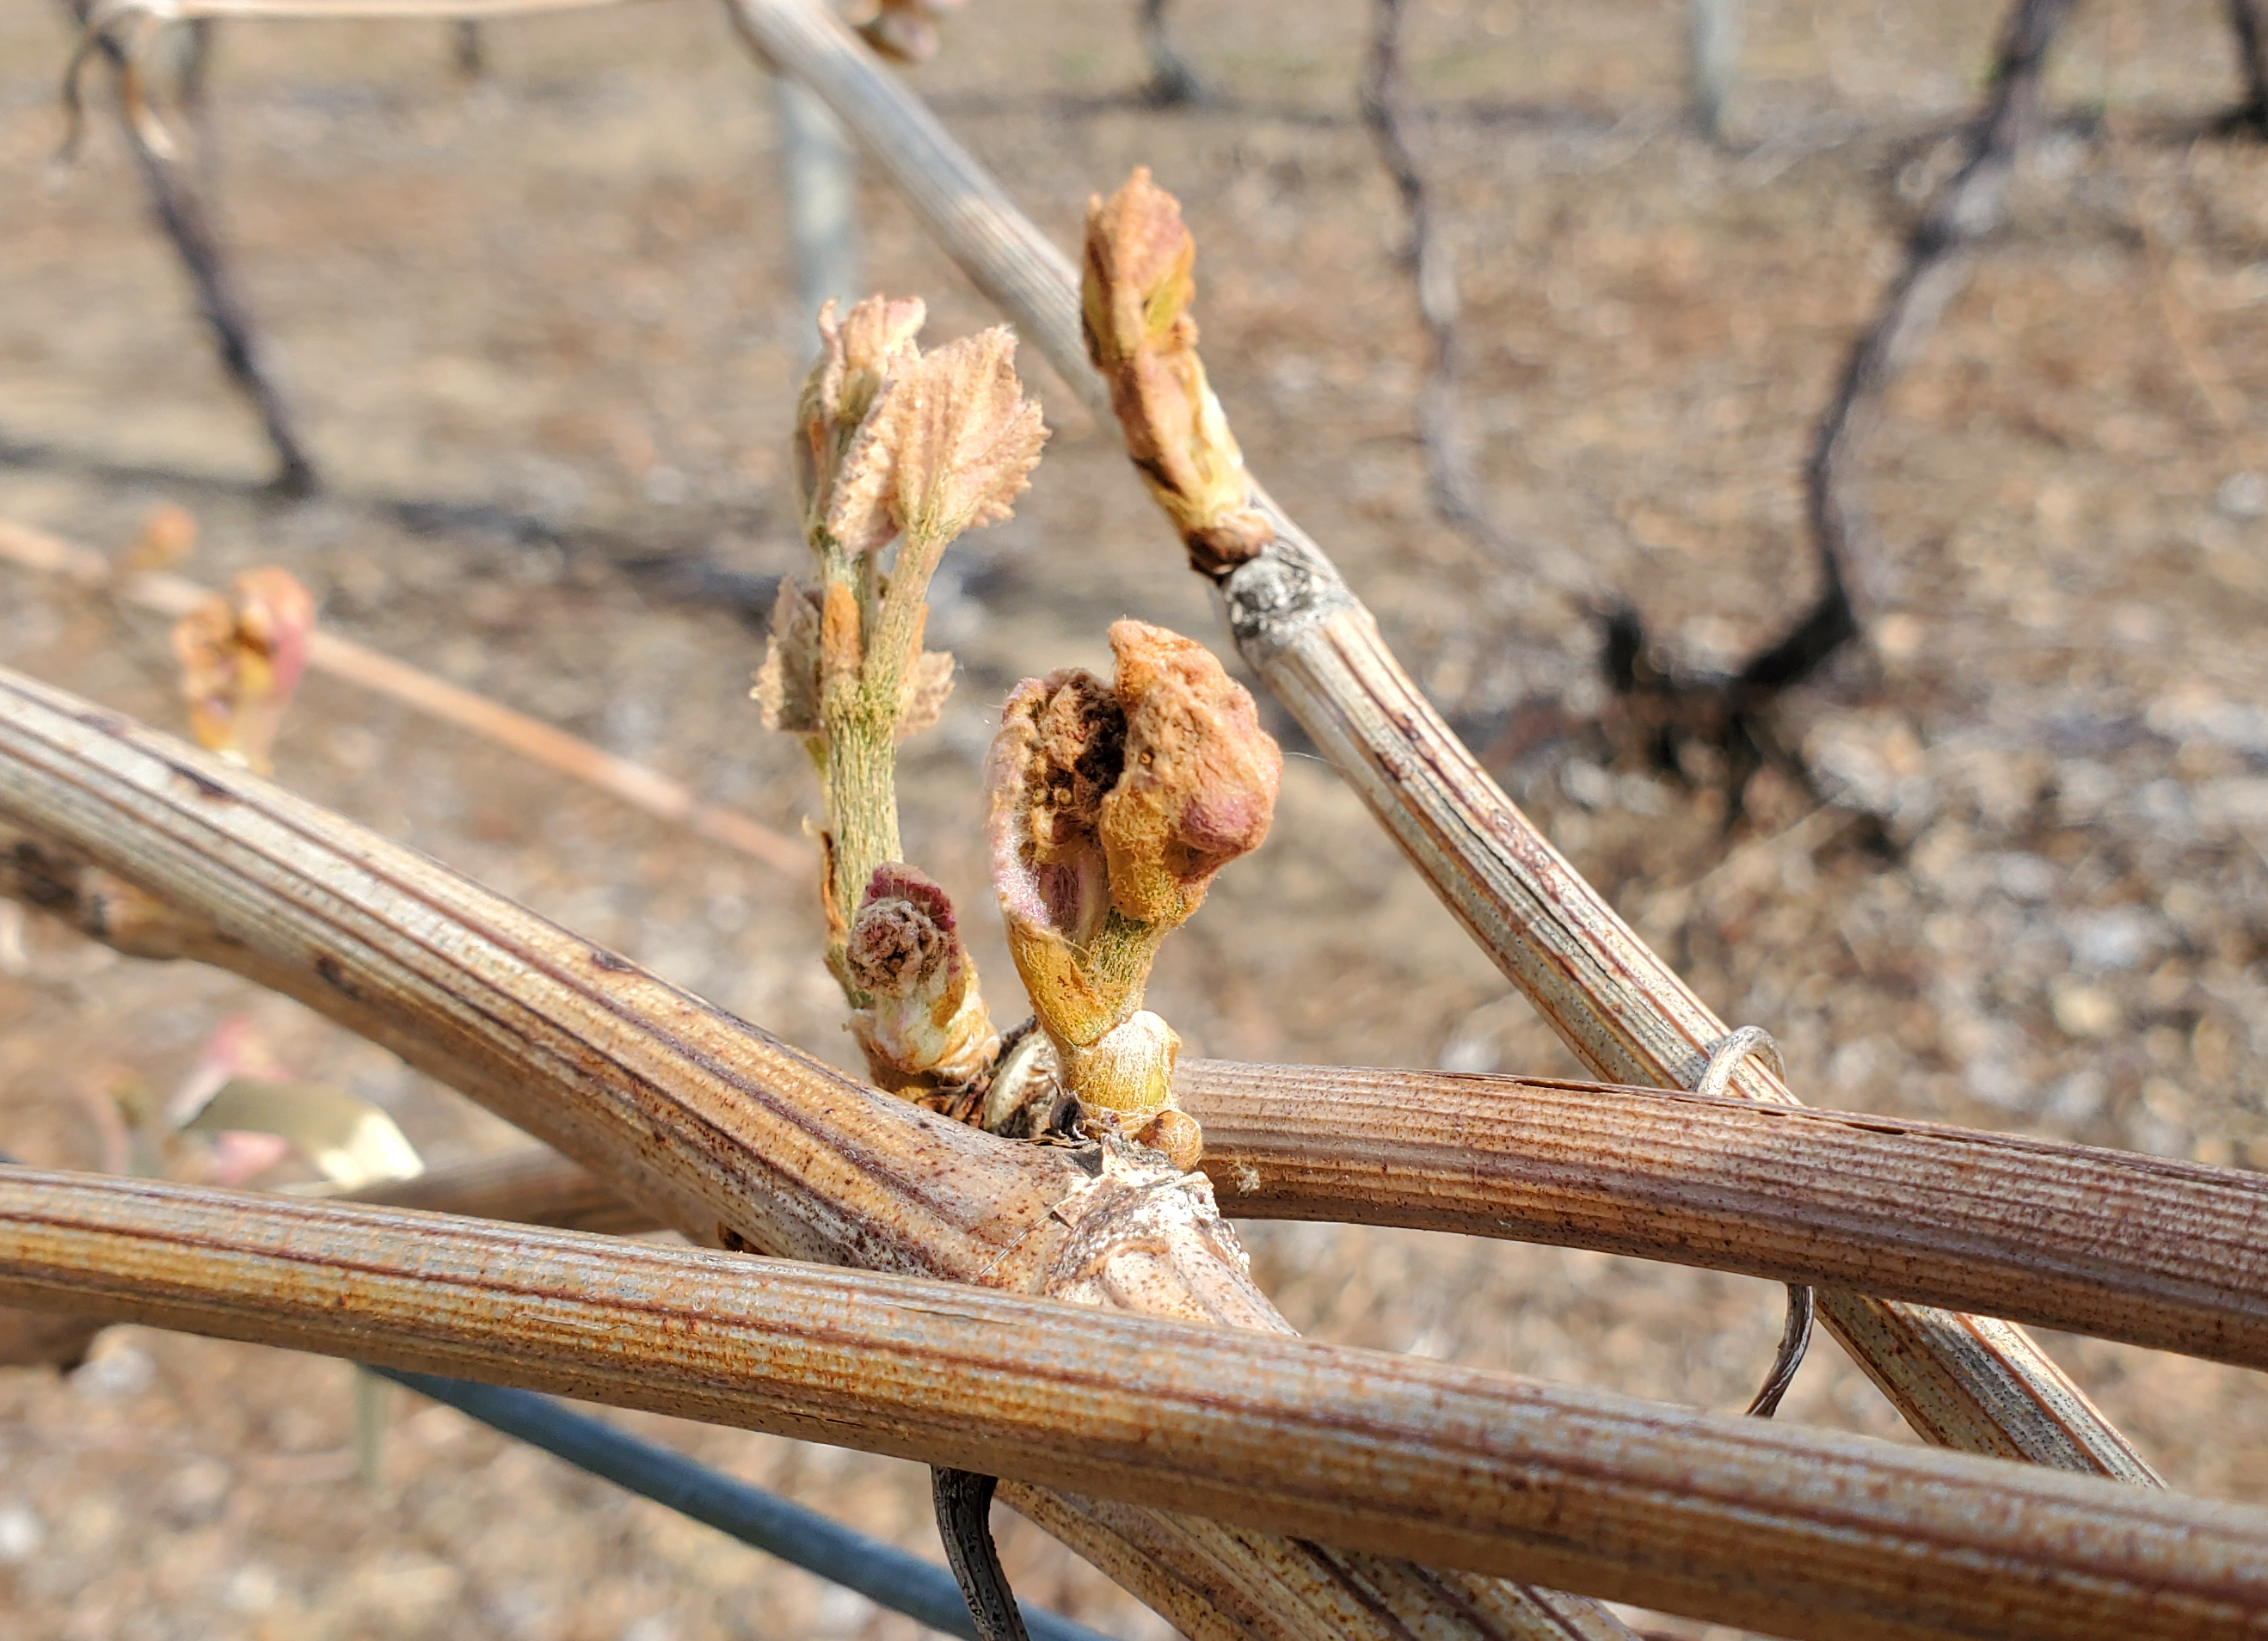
(907, 29)
(241, 658)
(1176, 1134)
(1135, 311)
(945, 449)
(929, 681)
(167, 536)
(1200, 779)
(927, 1027)
(787, 684)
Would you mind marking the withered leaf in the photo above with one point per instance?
(928, 683)
(787, 684)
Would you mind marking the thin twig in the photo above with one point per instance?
(1729, 712)
(1712, 63)
(2248, 23)
(2175, 312)
(1454, 484)
(342, 658)
(187, 222)
(1172, 83)
(1790, 1531)
(819, 174)
(706, 1122)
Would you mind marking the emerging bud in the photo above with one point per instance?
(927, 1027)
(1134, 309)
(241, 658)
(1109, 810)
(944, 449)
(1128, 1068)
(856, 358)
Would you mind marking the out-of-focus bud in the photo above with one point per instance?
(906, 29)
(241, 658)
(168, 535)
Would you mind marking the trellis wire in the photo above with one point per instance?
(881, 1573)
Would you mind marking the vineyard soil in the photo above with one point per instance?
(540, 331)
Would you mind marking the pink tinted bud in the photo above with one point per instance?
(241, 659)
(1198, 787)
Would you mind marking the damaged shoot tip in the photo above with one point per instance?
(1135, 313)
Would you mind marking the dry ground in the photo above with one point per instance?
(540, 331)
